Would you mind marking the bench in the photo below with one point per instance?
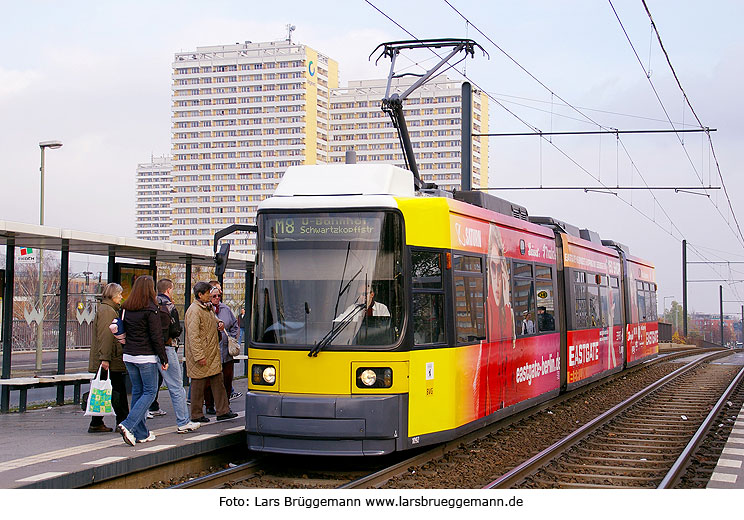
(22, 384)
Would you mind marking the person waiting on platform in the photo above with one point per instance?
(364, 305)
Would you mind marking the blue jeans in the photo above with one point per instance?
(144, 378)
(174, 381)
(241, 336)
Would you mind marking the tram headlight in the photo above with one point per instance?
(368, 377)
(263, 375)
(269, 375)
(374, 377)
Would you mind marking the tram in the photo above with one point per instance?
(387, 318)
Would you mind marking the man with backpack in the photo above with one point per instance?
(173, 378)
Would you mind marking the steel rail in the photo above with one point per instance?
(380, 477)
(214, 480)
(680, 465)
(517, 474)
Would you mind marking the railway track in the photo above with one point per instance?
(289, 472)
(646, 441)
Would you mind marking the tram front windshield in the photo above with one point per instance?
(333, 279)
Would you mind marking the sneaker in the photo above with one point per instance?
(126, 435)
(189, 427)
(149, 438)
(225, 417)
(155, 413)
(211, 411)
(200, 419)
(235, 395)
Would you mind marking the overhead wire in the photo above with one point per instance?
(687, 101)
(740, 236)
(536, 129)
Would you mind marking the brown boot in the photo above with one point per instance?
(101, 428)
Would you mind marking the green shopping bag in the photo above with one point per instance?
(99, 397)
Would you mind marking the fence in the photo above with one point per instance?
(24, 335)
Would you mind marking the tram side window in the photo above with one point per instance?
(646, 297)
(592, 305)
(615, 301)
(641, 302)
(545, 298)
(652, 298)
(524, 299)
(604, 301)
(428, 298)
(580, 303)
(470, 323)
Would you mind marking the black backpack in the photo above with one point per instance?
(169, 320)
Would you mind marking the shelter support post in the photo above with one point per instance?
(64, 274)
(186, 299)
(7, 321)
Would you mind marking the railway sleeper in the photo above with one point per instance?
(659, 450)
(650, 435)
(623, 425)
(602, 477)
(575, 485)
(677, 415)
(615, 460)
(661, 443)
(602, 467)
(640, 419)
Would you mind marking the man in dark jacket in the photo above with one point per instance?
(171, 325)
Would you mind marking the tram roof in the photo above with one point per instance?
(51, 238)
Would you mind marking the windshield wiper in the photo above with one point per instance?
(335, 330)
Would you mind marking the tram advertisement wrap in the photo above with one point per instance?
(593, 351)
(510, 371)
(468, 234)
(643, 340)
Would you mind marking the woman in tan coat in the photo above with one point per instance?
(106, 352)
(203, 359)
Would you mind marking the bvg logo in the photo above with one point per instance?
(311, 68)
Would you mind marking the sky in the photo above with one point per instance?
(97, 76)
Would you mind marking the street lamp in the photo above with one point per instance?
(40, 328)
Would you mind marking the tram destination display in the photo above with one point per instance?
(322, 227)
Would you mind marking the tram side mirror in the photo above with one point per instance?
(598, 279)
(220, 259)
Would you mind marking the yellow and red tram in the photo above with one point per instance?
(386, 318)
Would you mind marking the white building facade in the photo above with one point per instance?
(154, 197)
(242, 114)
(433, 118)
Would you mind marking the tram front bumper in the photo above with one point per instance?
(325, 425)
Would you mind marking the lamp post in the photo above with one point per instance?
(40, 328)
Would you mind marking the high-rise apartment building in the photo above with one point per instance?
(154, 197)
(433, 118)
(242, 114)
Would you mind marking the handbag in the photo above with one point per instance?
(117, 328)
(233, 347)
(99, 397)
(114, 400)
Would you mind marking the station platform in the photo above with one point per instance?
(729, 472)
(51, 448)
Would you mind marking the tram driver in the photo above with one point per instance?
(364, 305)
